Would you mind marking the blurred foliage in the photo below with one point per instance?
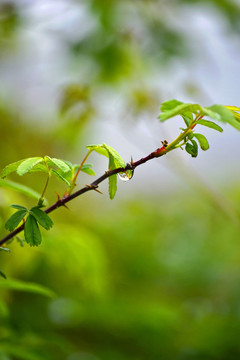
(154, 278)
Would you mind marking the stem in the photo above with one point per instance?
(65, 199)
(77, 173)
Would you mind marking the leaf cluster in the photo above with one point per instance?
(193, 115)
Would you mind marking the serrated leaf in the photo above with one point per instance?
(202, 141)
(98, 148)
(180, 110)
(170, 104)
(20, 188)
(18, 285)
(10, 168)
(60, 177)
(117, 159)
(31, 231)
(61, 164)
(2, 275)
(15, 219)
(39, 168)
(210, 124)
(18, 207)
(42, 218)
(27, 165)
(112, 180)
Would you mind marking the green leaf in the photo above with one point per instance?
(209, 124)
(11, 168)
(28, 164)
(42, 218)
(87, 168)
(18, 285)
(18, 207)
(99, 149)
(15, 219)
(202, 141)
(192, 149)
(20, 188)
(170, 104)
(31, 231)
(118, 160)
(3, 275)
(112, 180)
(59, 176)
(61, 164)
(180, 110)
(187, 117)
(4, 249)
(39, 168)
(223, 114)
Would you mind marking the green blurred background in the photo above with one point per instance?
(155, 273)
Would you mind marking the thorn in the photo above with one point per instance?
(94, 187)
(66, 206)
(58, 196)
(131, 162)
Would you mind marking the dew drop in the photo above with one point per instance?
(126, 176)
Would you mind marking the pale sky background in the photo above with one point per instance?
(214, 68)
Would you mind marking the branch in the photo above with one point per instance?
(93, 186)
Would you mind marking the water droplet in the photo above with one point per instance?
(126, 175)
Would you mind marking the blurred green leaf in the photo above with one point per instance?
(87, 168)
(4, 249)
(210, 124)
(117, 159)
(15, 219)
(27, 165)
(223, 114)
(18, 285)
(42, 218)
(20, 188)
(2, 275)
(98, 148)
(202, 141)
(31, 231)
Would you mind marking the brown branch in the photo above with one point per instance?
(93, 186)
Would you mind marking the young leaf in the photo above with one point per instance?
(112, 180)
(28, 164)
(170, 104)
(42, 218)
(18, 207)
(59, 176)
(210, 124)
(192, 149)
(118, 160)
(61, 164)
(2, 274)
(224, 114)
(31, 231)
(180, 110)
(11, 168)
(99, 149)
(202, 141)
(15, 219)
(20, 188)
(87, 168)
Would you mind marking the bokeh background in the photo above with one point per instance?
(155, 273)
